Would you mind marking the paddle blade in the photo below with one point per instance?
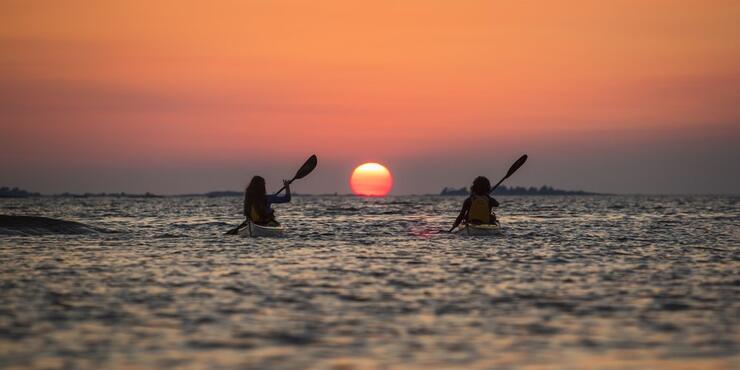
(519, 162)
(303, 171)
(306, 168)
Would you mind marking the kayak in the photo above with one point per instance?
(479, 230)
(253, 230)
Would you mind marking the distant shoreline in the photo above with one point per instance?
(503, 191)
(520, 190)
(221, 194)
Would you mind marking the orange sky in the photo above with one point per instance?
(177, 87)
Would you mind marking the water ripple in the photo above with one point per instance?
(573, 282)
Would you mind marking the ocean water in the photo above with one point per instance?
(603, 282)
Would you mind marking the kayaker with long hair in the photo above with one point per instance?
(477, 209)
(258, 205)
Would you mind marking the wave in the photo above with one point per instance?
(33, 225)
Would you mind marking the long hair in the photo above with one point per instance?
(256, 195)
(481, 186)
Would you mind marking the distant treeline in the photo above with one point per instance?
(225, 193)
(212, 194)
(6, 192)
(108, 195)
(519, 190)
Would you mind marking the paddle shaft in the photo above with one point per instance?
(283, 188)
(497, 184)
(514, 167)
(236, 229)
(302, 172)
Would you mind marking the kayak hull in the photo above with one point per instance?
(479, 230)
(254, 231)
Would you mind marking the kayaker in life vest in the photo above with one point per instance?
(477, 208)
(257, 204)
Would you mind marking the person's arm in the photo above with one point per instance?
(276, 199)
(491, 204)
(463, 212)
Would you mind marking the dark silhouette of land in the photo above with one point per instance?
(109, 195)
(225, 193)
(6, 192)
(520, 190)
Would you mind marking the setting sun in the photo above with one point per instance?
(371, 179)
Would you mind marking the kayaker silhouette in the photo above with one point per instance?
(477, 209)
(259, 214)
(258, 205)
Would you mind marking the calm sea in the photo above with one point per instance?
(607, 282)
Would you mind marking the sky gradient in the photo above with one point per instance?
(179, 97)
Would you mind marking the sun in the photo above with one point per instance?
(371, 179)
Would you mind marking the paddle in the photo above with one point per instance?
(302, 172)
(519, 162)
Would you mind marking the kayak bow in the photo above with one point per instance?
(253, 230)
(479, 230)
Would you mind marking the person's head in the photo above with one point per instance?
(256, 189)
(481, 186)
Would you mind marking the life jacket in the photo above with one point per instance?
(257, 218)
(480, 210)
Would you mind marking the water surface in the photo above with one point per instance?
(622, 282)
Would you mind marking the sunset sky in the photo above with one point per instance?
(174, 97)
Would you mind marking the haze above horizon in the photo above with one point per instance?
(613, 97)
